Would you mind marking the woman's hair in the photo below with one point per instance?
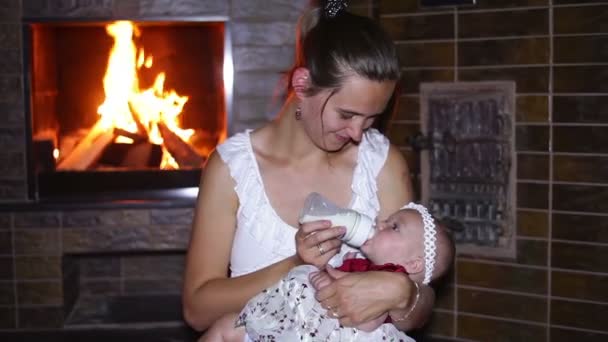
(334, 44)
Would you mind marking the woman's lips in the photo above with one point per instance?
(342, 138)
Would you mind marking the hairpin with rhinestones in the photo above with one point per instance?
(333, 7)
(430, 239)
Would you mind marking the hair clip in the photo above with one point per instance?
(333, 7)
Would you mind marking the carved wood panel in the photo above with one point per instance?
(468, 168)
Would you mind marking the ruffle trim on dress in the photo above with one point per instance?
(373, 152)
(255, 210)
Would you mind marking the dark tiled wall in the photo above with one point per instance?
(556, 51)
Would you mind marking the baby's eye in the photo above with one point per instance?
(395, 227)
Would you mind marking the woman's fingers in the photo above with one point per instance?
(313, 226)
(317, 243)
(328, 238)
(311, 229)
(320, 279)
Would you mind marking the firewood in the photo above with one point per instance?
(140, 155)
(141, 129)
(136, 137)
(182, 152)
(88, 150)
(143, 155)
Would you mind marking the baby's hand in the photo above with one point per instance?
(320, 279)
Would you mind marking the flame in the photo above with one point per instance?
(125, 100)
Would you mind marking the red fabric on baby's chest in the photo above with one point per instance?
(364, 265)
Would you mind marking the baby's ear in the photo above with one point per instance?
(415, 265)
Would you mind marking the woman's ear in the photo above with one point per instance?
(415, 265)
(300, 80)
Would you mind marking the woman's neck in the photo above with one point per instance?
(288, 140)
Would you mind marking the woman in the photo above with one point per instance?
(255, 184)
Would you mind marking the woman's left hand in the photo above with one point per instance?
(358, 297)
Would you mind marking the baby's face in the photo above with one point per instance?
(398, 239)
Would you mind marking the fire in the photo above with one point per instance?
(130, 108)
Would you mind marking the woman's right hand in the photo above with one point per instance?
(317, 242)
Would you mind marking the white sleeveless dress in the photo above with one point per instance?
(262, 237)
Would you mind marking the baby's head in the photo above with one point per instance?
(406, 239)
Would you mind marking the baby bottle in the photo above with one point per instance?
(359, 227)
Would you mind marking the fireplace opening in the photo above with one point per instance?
(123, 109)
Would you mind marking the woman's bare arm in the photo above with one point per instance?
(208, 293)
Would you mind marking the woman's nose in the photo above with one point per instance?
(355, 131)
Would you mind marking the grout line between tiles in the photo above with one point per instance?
(505, 319)
(551, 171)
(494, 290)
(564, 327)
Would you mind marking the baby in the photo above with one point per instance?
(408, 241)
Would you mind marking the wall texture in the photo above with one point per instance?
(556, 51)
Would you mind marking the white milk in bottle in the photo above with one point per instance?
(359, 227)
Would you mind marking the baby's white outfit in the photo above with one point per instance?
(262, 238)
(288, 311)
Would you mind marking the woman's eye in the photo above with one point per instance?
(346, 116)
(394, 227)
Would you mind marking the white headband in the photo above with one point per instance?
(430, 239)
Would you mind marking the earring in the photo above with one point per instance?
(298, 113)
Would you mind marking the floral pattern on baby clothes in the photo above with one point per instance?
(288, 311)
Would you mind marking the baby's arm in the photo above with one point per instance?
(223, 330)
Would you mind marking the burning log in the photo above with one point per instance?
(141, 129)
(88, 150)
(144, 155)
(182, 152)
(137, 155)
(136, 137)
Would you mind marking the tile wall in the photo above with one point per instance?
(557, 53)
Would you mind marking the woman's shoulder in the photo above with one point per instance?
(235, 144)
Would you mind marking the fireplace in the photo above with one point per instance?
(125, 110)
(80, 270)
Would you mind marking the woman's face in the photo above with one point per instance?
(349, 111)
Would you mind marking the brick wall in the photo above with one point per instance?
(555, 51)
